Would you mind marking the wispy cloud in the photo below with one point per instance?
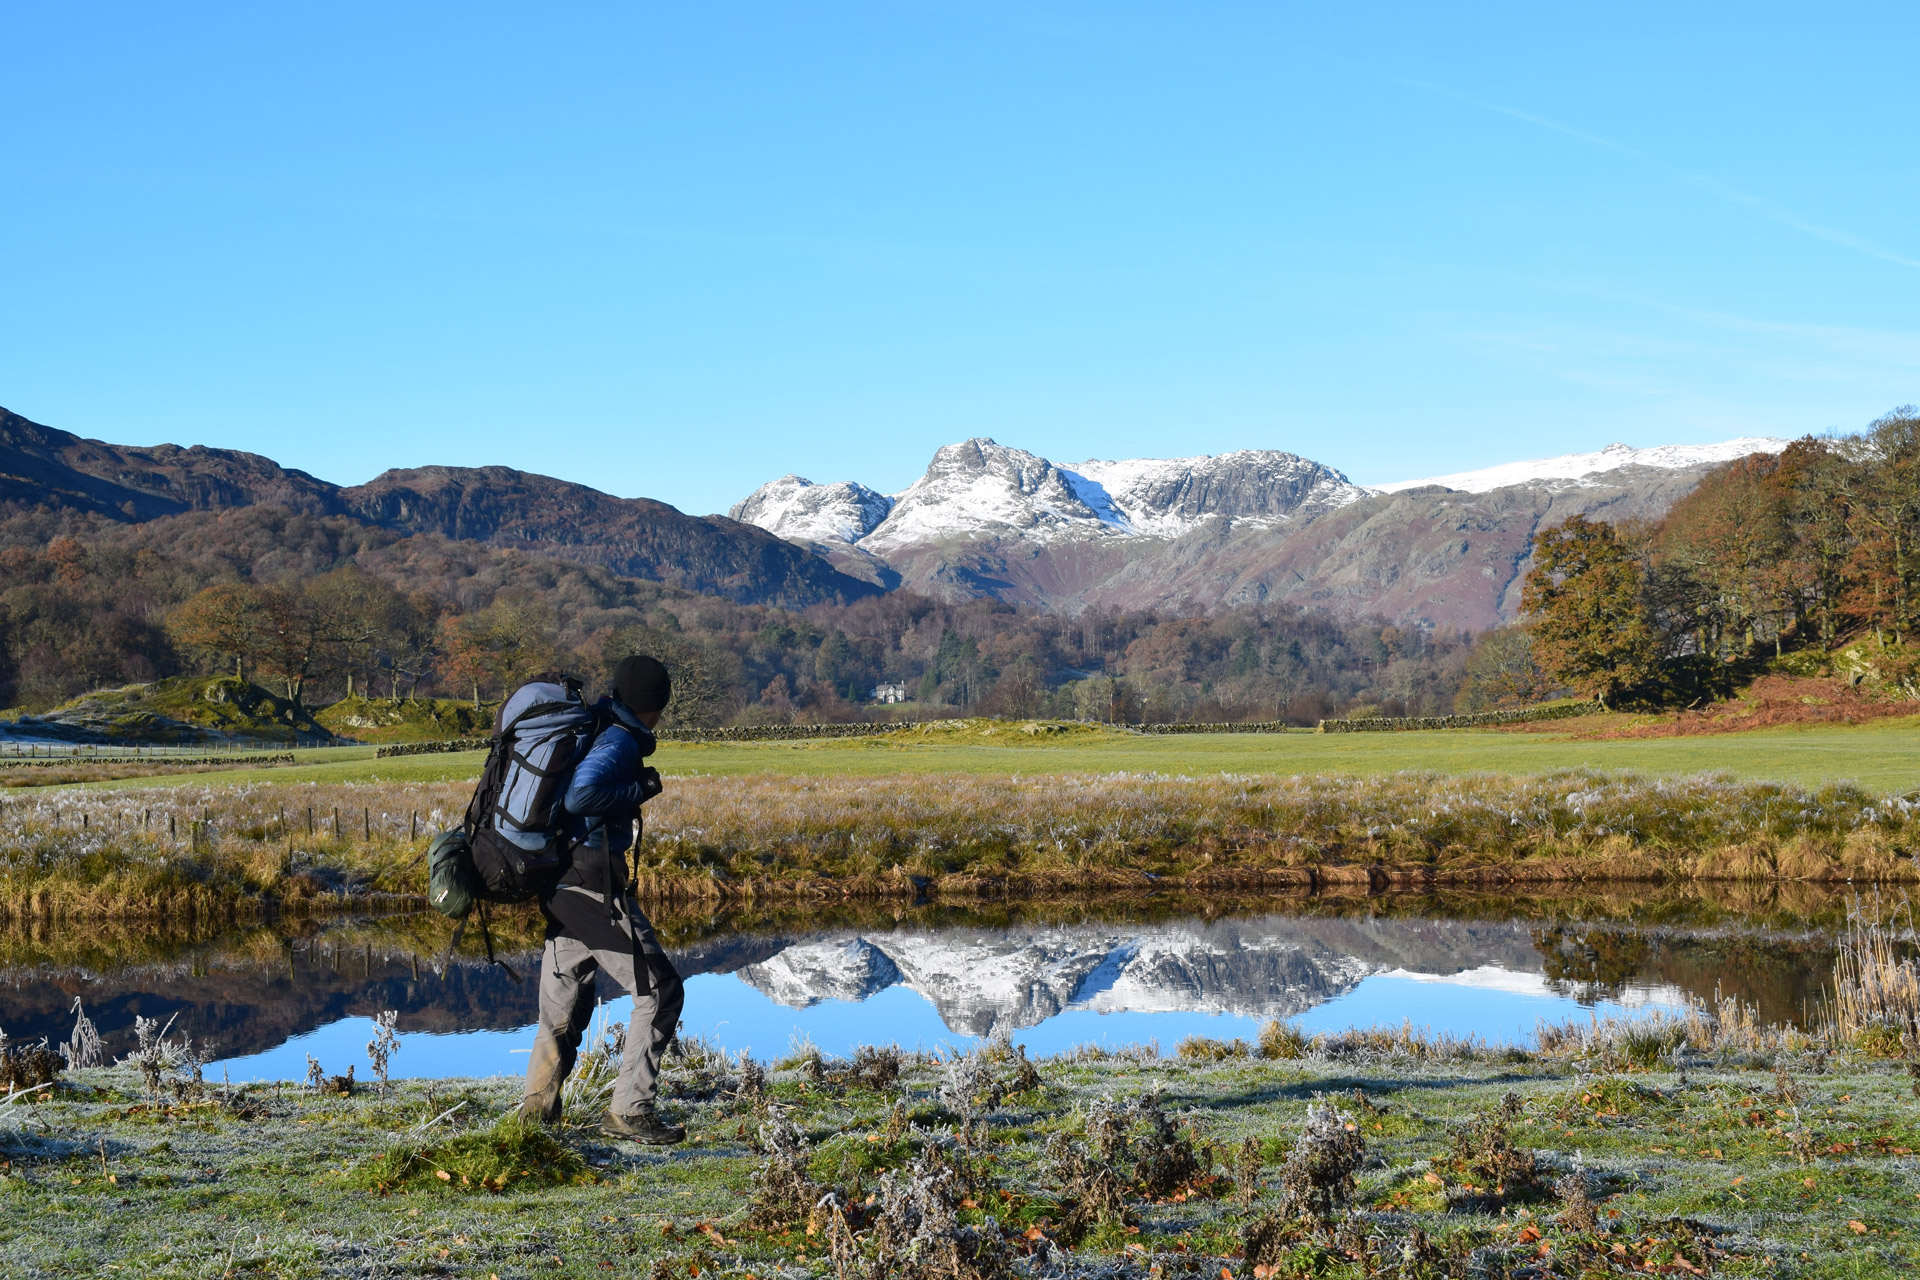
(1592, 139)
(1767, 209)
(1700, 182)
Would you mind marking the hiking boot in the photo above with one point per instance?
(544, 1078)
(643, 1126)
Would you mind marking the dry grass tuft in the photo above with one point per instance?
(1875, 1002)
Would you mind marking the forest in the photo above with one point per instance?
(1807, 560)
(1803, 552)
(319, 607)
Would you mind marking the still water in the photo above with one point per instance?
(1053, 976)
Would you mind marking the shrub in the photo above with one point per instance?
(784, 1193)
(25, 1066)
(1487, 1167)
(1282, 1040)
(513, 1153)
(1317, 1177)
(1202, 1049)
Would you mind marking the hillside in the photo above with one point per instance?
(48, 469)
(41, 466)
(178, 710)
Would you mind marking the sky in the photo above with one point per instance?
(677, 251)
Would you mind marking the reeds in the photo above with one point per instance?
(1875, 1001)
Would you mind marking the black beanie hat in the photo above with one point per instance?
(642, 684)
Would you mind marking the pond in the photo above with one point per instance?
(1052, 976)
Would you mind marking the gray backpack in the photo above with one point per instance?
(514, 823)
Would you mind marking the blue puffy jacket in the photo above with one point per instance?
(603, 795)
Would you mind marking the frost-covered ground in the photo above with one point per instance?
(1651, 1148)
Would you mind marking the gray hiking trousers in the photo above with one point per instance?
(581, 939)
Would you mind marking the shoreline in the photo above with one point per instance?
(199, 850)
(201, 903)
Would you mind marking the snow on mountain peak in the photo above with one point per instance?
(1166, 498)
(980, 486)
(797, 508)
(1583, 466)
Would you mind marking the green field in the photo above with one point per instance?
(1883, 756)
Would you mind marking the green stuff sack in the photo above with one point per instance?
(452, 883)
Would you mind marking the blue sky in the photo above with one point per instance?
(679, 250)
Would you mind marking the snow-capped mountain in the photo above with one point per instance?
(986, 520)
(980, 487)
(1272, 967)
(1583, 467)
(800, 510)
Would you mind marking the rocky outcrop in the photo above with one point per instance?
(1258, 487)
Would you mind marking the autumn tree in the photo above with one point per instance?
(500, 646)
(291, 643)
(1722, 558)
(466, 658)
(228, 622)
(69, 559)
(356, 615)
(1583, 600)
(1501, 674)
(1884, 494)
(1814, 478)
(415, 641)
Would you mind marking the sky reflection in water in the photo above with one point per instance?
(1498, 1005)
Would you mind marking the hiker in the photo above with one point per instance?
(593, 923)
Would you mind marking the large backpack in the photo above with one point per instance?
(511, 846)
(515, 822)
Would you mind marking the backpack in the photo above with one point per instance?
(509, 846)
(513, 825)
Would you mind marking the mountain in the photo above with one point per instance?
(796, 508)
(41, 466)
(1240, 528)
(1264, 967)
(1587, 468)
(636, 537)
(982, 488)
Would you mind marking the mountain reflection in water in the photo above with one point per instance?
(1118, 973)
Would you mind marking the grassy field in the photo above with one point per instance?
(1881, 756)
(1653, 1148)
